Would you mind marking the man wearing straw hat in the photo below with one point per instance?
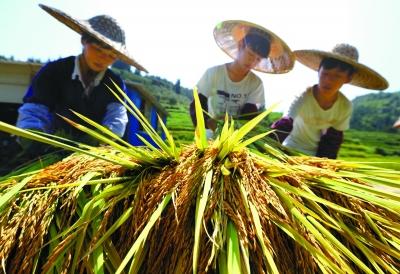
(233, 88)
(317, 118)
(78, 83)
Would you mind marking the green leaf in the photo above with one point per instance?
(233, 254)
(200, 133)
(138, 245)
(272, 268)
(12, 192)
(201, 203)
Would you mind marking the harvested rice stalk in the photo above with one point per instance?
(216, 207)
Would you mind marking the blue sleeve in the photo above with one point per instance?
(35, 116)
(116, 118)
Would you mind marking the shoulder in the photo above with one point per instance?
(216, 69)
(344, 100)
(254, 77)
(60, 64)
(111, 75)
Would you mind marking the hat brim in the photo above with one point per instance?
(397, 124)
(82, 26)
(363, 76)
(227, 35)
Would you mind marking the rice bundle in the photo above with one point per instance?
(211, 207)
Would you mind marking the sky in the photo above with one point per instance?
(174, 39)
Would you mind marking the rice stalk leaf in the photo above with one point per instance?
(389, 224)
(88, 206)
(272, 267)
(84, 180)
(169, 138)
(374, 227)
(140, 241)
(201, 203)
(343, 188)
(339, 245)
(236, 137)
(112, 255)
(247, 127)
(155, 151)
(99, 261)
(77, 183)
(132, 151)
(120, 221)
(37, 137)
(305, 222)
(91, 210)
(371, 257)
(130, 106)
(250, 141)
(245, 259)
(222, 263)
(12, 192)
(200, 133)
(53, 244)
(313, 197)
(323, 261)
(233, 251)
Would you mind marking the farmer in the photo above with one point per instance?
(78, 83)
(233, 88)
(317, 118)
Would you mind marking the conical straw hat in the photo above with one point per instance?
(280, 59)
(363, 76)
(103, 28)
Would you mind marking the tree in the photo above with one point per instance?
(177, 87)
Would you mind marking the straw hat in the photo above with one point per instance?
(363, 76)
(397, 123)
(227, 34)
(103, 28)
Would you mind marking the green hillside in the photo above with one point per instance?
(376, 111)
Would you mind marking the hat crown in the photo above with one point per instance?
(346, 50)
(108, 27)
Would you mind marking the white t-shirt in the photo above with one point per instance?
(310, 121)
(224, 95)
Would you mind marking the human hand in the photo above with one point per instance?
(211, 124)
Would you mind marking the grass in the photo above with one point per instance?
(371, 146)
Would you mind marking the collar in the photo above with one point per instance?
(77, 75)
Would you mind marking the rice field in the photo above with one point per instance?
(361, 146)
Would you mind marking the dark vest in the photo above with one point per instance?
(53, 87)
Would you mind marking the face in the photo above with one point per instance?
(331, 80)
(247, 58)
(98, 58)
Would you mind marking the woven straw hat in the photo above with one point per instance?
(227, 34)
(103, 28)
(397, 123)
(363, 76)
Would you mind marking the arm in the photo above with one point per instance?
(249, 111)
(35, 113)
(116, 118)
(329, 144)
(284, 125)
(34, 116)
